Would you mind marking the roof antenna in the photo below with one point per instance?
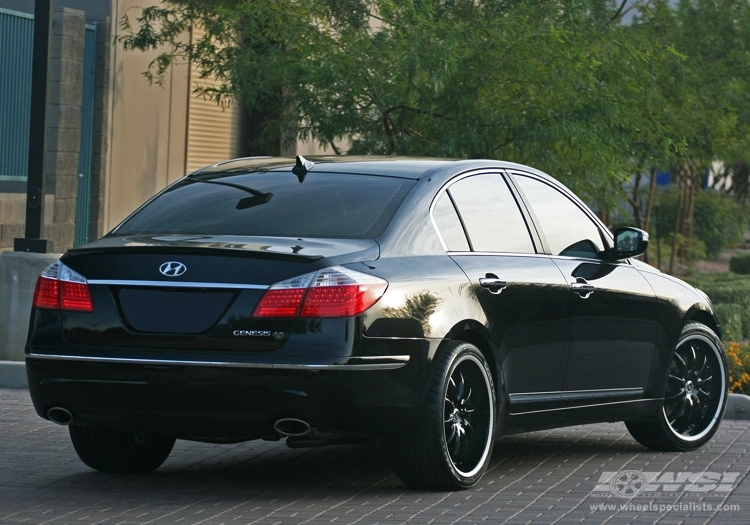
(301, 167)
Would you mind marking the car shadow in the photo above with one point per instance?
(273, 469)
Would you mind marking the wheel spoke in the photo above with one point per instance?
(681, 364)
(676, 395)
(452, 435)
(452, 386)
(458, 439)
(682, 422)
(676, 414)
(703, 366)
(461, 386)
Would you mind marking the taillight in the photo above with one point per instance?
(332, 292)
(60, 288)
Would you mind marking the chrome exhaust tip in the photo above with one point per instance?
(292, 427)
(60, 416)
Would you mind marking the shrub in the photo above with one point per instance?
(718, 219)
(740, 263)
(730, 317)
(660, 249)
(727, 289)
(738, 359)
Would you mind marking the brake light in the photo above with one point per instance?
(60, 288)
(331, 292)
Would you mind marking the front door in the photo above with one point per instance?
(614, 329)
(613, 309)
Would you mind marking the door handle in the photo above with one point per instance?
(493, 283)
(582, 288)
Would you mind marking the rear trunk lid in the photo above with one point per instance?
(193, 292)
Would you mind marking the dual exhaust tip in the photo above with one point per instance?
(292, 427)
(60, 415)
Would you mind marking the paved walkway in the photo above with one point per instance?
(586, 474)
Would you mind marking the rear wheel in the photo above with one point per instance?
(696, 395)
(115, 451)
(452, 445)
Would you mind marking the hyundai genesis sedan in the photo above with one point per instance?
(426, 306)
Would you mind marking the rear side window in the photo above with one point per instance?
(273, 204)
(490, 214)
(449, 224)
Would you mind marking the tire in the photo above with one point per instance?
(452, 444)
(696, 394)
(114, 451)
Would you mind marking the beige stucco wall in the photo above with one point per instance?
(147, 133)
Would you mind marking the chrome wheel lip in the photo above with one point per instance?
(480, 464)
(711, 425)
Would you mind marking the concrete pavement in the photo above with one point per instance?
(584, 474)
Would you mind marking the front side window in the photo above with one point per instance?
(490, 214)
(568, 229)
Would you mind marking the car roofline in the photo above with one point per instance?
(412, 167)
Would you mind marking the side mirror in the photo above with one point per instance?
(629, 242)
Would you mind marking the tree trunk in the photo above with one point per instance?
(677, 229)
(635, 201)
(649, 209)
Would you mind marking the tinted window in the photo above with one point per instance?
(449, 224)
(490, 214)
(568, 229)
(273, 204)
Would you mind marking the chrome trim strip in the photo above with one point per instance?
(177, 284)
(584, 406)
(539, 397)
(496, 254)
(355, 363)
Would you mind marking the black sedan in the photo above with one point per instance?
(428, 306)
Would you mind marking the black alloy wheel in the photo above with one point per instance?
(453, 443)
(696, 394)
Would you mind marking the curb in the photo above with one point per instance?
(13, 375)
(738, 407)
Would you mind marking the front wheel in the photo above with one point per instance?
(696, 395)
(115, 451)
(452, 445)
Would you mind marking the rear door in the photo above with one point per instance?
(522, 293)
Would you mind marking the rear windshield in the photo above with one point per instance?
(273, 204)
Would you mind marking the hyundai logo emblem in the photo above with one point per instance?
(172, 269)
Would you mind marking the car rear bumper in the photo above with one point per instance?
(219, 401)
